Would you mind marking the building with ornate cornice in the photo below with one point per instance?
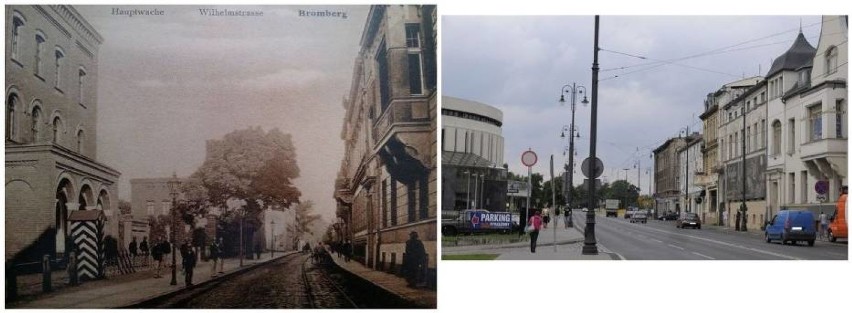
(808, 122)
(51, 131)
(386, 185)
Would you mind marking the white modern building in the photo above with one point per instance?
(473, 176)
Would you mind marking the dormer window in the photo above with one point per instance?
(831, 61)
(804, 77)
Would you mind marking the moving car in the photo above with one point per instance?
(639, 217)
(838, 227)
(690, 220)
(629, 212)
(791, 226)
(668, 216)
(585, 209)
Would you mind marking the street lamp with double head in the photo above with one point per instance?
(573, 90)
(174, 185)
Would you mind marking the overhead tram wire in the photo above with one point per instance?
(725, 49)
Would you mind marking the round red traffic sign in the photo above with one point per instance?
(528, 158)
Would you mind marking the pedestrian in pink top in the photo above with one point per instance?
(536, 222)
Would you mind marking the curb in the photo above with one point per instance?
(141, 303)
(380, 286)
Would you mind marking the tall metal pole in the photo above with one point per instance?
(686, 174)
(743, 180)
(482, 193)
(468, 191)
(570, 195)
(529, 190)
(174, 242)
(590, 244)
(475, 193)
(553, 204)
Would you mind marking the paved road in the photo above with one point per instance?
(291, 282)
(661, 240)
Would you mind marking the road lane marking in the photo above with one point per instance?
(659, 241)
(676, 247)
(703, 256)
(729, 245)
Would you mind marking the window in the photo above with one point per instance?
(385, 201)
(384, 77)
(804, 186)
(17, 24)
(412, 35)
(81, 82)
(415, 80)
(36, 119)
(747, 139)
(762, 96)
(59, 59)
(791, 136)
(831, 61)
(815, 119)
(776, 137)
(80, 138)
(165, 207)
(415, 62)
(791, 194)
(840, 116)
(150, 207)
(39, 64)
(57, 125)
(411, 193)
(393, 208)
(763, 133)
(11, 125)
(804, 77)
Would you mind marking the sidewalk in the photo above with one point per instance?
(424, 298)
(127, 290)
(563, 252)
(564, 236)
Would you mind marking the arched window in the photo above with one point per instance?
(831, 60)
(59, 60)
(80, 138)
(36, 124)
(17, 24)
(776, 137)
(81, 81)
(57, 124)
(39, 64)
(11, 125)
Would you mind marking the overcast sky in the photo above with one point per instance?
(169, 83)
(519, 65)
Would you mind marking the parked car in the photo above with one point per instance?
(690, 220)
(585, 209)
(639, 217)
(668, 216)
(791, 226)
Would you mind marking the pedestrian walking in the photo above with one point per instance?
(545, 217)
(143, 246)
(184, 251)
(347, 250)
(413, 262)
(221, 254)
(823, 224)
(523, 217)
(534, 221)
(189, 261)
(566, 213)
(133, 248)
(257, 250)
(215, 252)
(157, 253)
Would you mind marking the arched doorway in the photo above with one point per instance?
(62, 231)
(86, 197)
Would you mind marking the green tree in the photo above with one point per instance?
(625, 192)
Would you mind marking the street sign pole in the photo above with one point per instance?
(529, 158)
(553, 204)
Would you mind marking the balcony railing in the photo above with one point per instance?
(401, 114)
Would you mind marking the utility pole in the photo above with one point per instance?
(743, 180)
(590, 244)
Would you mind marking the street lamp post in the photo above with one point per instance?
(174, 184)
(574, 90)
(686, 174)
(590, 245)
(743, 207)
(467, 195)
(482, 192)
(272, 244)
